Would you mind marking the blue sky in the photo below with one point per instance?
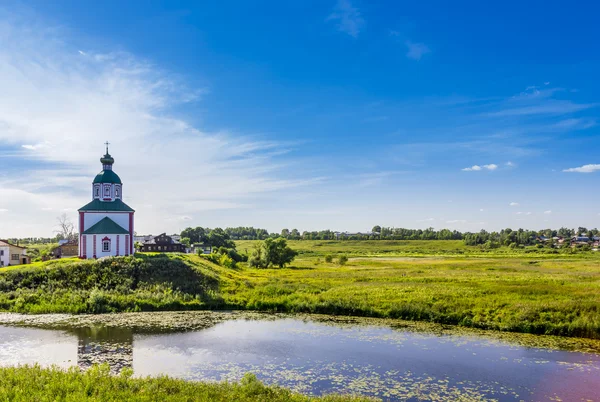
(316, 114)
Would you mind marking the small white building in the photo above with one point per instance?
(11, 254)
(106, 223)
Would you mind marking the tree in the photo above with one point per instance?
(272, 252)
(342, 260)
(285, 233)
(376, 229)
(66, 228)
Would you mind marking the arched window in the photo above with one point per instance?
(106, 191)
(106, 245)
(117, 191)
(97, 192)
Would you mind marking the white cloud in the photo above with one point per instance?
(584, 169)
(547, 212)
(477, 168)
(514, 204)
(481, 210)
(510, 164)
(456, 221)
(3, 210)
(416, 50)
(59, 106)
(348, 18)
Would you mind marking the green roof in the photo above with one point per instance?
(107, 176)
(108, 206)
(106, 226)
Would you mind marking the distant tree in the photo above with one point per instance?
(218, 238)
(186, 241)
(272, 252)
(285, 233)
(342, 260)
(295, 235)
(376, 229)
(329, 258)
(66, 228)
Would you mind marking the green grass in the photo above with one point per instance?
(420, 280)
(96, 384)
(416, 248)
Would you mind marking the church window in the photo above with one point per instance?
(107, 192)
(116, 191)
(97, 192)
(106, 246)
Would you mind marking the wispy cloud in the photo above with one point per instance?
(348, 18)
(416, 50)
(514, 204)
(60, 105)
(426, 220)
(547, 212)
(477, 168)
(584, 169)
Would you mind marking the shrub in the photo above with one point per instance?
(329, 258)
(343, 259)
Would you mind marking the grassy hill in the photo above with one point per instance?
(141, 283)
(559, 296)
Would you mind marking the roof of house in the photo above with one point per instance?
(107, 176)
(153, 240)
(108, 206)
(5, 243)
(106, 226)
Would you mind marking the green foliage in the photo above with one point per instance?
(33, 383)
(328, 258)
(148, 283)
(342, 259)
(272, 252)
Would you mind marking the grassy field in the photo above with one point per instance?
(532, 293)
(415, 248)
(96, 384)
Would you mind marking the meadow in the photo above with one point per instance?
(97, 384)
(442, 282)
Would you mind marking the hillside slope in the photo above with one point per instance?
(140, 283)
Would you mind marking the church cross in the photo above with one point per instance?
(107, 144)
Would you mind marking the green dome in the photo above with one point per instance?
(107, 176)
(107, 159)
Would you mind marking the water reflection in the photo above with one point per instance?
(99, 345)
(316, 358)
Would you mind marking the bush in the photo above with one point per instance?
(343, 259)
(272, 252)
(329, 258)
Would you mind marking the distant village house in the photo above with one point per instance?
(163, 243)
(11, 254)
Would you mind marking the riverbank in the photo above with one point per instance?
(97, 384)
(559, 296)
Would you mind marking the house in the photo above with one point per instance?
(144, 238)
(11, 254)
(163, 244)
(66, 249)
(198, 248)
(106, 223)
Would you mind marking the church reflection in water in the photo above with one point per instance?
(104, 345)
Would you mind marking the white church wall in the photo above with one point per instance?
(99, 252)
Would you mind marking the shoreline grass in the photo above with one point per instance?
(33, 383)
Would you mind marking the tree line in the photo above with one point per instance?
(224, 237)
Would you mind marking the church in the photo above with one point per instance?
(106, 223)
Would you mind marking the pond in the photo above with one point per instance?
(315, 357)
